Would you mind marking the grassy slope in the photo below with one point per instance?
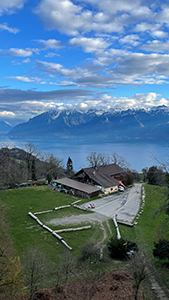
(150, 229)
(26, 232)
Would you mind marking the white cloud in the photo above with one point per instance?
(27, 104)
(27, 79)
(132, 39)
(8, 6)
(18, 52)
(5, 26)
(156, 46)
(154, 29)
(21, 78)
(26, 61)
(101, 16)
(90, 44)
(62, 14)
(8, 114)
(51, 44)
(51, 54)
(58, 14)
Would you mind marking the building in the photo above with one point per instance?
(106, 177)
(78, 188)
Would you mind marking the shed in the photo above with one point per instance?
(79, 189)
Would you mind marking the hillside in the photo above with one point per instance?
(111, 125)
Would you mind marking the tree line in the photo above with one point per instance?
(18, 165)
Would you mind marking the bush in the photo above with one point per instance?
(118, 248)
(161, 249)
(89, 252)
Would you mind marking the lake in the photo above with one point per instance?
(139, 155)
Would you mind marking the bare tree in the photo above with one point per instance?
(97, 159)
(120, 161)
(32, 152)
(10, 170)
(138, 266)
(52, 166)
(35, 268)
(68, 267)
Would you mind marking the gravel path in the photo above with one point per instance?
(77, 219)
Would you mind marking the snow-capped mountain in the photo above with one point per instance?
(110, 125)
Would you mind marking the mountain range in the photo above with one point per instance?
(4, 127)
(109, 125)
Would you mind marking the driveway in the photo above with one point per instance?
(124, 205)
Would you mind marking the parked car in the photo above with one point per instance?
(91, 205)
(121, 188)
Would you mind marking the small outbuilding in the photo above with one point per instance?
(78, 188)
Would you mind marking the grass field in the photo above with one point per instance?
(26, 232)
(149, 229)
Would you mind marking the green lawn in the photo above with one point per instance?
(150, 229)
(26, 232)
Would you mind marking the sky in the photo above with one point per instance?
(57, 54)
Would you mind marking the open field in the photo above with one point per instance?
(26, 232)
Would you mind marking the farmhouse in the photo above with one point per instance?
(106, 177)
(78, 188)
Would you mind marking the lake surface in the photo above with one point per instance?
(139, 155)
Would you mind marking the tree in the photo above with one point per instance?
(31, 153)
(69, 167)
(128, 178)
(35, 269)
(90, 252)
(145, 170)
(52, 166)
(137, 176)
(138, 266)
(118, 248)
(120, 161)
(68, 267)
(155, 176)
(33, 167)
(97, 159)
(11, 171)
(161, 249)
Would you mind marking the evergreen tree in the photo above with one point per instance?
(33, 169)
(69, 166)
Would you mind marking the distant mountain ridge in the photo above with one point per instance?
(4, 127)
(110, 125)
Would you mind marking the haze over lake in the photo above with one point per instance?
(139, 155)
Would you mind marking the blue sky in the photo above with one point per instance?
(85, 54)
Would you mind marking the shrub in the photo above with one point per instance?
(118, 248)
(89, 252)
(161, 249)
